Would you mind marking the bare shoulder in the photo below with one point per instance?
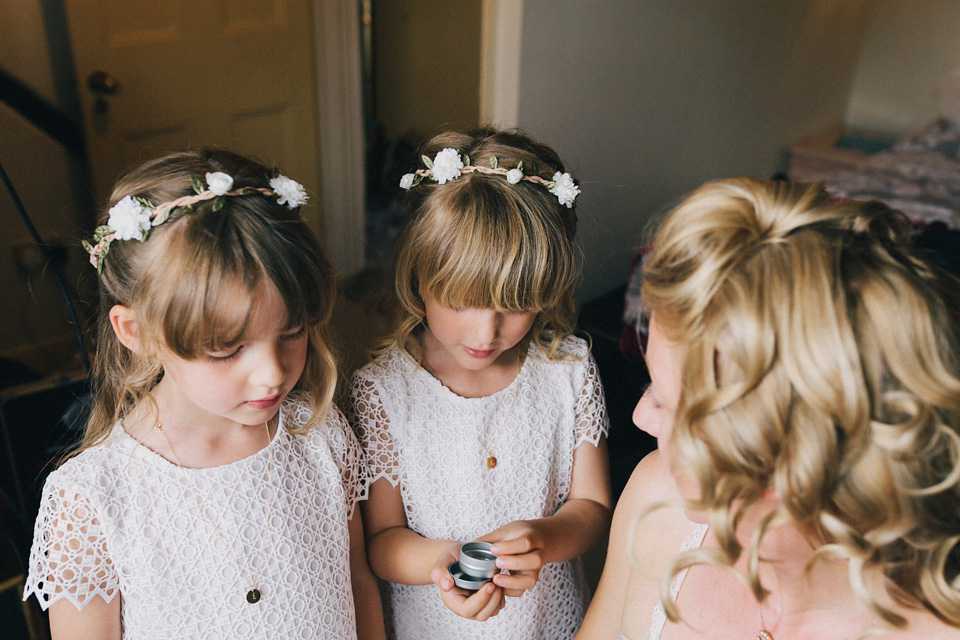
(652, 480)
(649, 484)
(650, 511)
(649, 526)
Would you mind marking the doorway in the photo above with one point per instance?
(421, 76)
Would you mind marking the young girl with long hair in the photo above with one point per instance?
(484, 418)
(214, 492)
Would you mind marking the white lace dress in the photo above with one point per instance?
(118, 518)
(422, 436)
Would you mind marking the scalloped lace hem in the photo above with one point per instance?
(47, 600)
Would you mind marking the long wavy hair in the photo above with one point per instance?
(819, 358)
(481, 242)
(192, 283)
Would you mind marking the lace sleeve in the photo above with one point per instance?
(591, 411)
(371, 424)
(370, 421)
(350, 458)
(68, 559)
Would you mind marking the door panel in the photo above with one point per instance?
(238, 74)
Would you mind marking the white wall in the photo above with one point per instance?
(646, 100)
(907, 48)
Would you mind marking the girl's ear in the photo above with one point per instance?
(124, 323)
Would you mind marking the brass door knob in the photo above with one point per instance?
(102, 83)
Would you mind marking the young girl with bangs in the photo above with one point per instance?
(483, 418)
(214, 492)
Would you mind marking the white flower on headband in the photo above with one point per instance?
(406, 181)
(514, 176)
(219, 183)
(290, 191)
(129, 219)
(447, 165)
(565, 189)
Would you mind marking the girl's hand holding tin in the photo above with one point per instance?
(482, 604)
(519, 548)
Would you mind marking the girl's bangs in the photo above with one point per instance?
(208, 316)
(215, 269)
(481, 263)
(474, 284)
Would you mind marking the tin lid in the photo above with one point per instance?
(465, 581)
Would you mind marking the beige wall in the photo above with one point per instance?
(907, 48)
(426, 65)
(34, 325)
(23, 48)
(646, 100)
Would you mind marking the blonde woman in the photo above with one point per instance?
(806, 400)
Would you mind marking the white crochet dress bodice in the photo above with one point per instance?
(433, 444)
(120, 519)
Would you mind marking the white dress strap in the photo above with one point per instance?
(659, 616)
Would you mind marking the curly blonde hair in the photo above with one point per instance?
(819, 358)
(481, 242)
(192, 283)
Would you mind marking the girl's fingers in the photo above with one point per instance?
(493, 606)
(524, 562)
(469, 604)
(441, 577)
(512, 546)
(515, 581)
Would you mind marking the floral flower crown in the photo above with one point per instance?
(134, 216)
(448, 164)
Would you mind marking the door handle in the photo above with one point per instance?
(102, 83)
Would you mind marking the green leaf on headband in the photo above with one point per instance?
(145, 202)
(466, 160)
(550, 185)
(417, 179)
(86, 246)
(161, 217)
(520, 166)
(494, 163)
(427, 162)
(100, 232)
(217, 203)
(197, 185)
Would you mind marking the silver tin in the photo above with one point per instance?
(464, 580)
(477, 560)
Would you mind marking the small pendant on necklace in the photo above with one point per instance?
(491, 462)
(253, 596)
(764, 635)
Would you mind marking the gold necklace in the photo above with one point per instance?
(253, 593)
(763, 634)
(491, 459)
